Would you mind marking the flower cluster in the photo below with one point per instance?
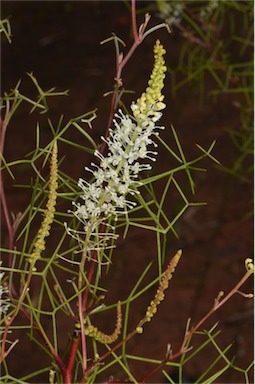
(93, 331)
(44, 230)
(128, 141)
(164, 283)
(4, 301)
(160, 294)
(171, 12)
(209, 8)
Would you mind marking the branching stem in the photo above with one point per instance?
(188, 333)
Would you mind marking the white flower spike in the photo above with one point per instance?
(128, 141)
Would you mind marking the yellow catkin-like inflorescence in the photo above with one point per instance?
(152, 99)
(44, 230)
(103, 338)
(163, 285)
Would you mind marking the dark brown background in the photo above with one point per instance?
(60, 43)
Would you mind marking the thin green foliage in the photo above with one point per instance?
(67, 282)
(217, 45)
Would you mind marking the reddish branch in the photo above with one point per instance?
(120, 64)
(11, 228)
(188, 333)
(67, 372)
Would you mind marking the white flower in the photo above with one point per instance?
(4, 301)
(127, 142)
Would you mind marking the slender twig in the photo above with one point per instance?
(103, 357)
(11, 235)
(80, 299)
(134, 24)
(120, 64)
(67, 372)
(34, 325)
(217, 305)
(10, 226)
(190, 37)
(188, 333)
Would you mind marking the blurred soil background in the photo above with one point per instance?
(60, 43)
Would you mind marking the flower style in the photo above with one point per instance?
(128, 141)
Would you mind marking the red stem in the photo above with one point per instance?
(216, 307)
(188, 334)
(101, 358)
(120, 64)
(110, 119)
(83, 338)
(11, 227)
(67, 372)
(134, 25)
